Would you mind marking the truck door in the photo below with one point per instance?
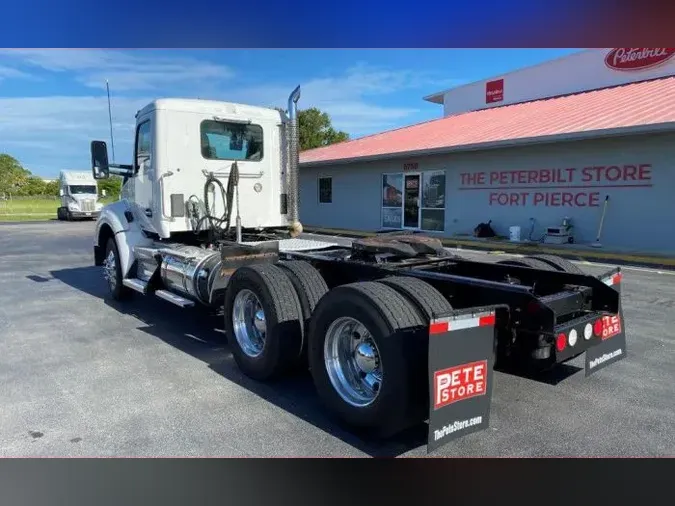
(142, 181)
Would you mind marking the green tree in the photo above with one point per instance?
(316, 129)
(12, 175)
(112, 186)
(52, 188)
(32, 186)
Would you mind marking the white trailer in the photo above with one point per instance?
(394, 329)
(78, 191)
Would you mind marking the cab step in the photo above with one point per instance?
(173, 298)
(141, 286)
(136, 284)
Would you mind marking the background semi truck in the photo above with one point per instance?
(78, 191)
(394, 329)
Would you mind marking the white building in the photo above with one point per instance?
(525, 149)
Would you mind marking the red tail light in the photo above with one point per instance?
(561, 342)
(597, 327)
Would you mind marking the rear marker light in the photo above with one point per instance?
(561, 342)
(588, 331)
(597, 327)
(572, 338)
(614, 280)
(443, 325)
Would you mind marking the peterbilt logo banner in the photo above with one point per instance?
(638, 58)
(460, 375)
(494, 91)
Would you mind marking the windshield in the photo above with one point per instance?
(82, 189)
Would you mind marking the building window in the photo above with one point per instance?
(325, 190)
(414, 200)
(222, 140)
(433, 201)
(392, 200)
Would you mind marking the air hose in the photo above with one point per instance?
(215, 224)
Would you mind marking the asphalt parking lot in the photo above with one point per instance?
(84, 376)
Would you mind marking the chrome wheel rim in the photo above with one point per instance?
(110, 270)
(353, 362)
(248, 320)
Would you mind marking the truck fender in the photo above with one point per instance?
(128, 235)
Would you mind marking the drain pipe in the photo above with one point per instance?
(295, 227)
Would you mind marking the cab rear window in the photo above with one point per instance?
(222, 140)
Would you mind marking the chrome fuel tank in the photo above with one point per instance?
(190, 271)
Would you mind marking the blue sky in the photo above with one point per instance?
(53, 102)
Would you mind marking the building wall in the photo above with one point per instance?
(482, 186)
(582, 71)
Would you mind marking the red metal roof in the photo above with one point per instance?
(615, 109)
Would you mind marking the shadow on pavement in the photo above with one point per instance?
(551, 377)
(197, 331)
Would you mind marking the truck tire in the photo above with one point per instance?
(380, 320)
(429, 300)
(59, 213)
(112, 271)
(528, 262)
(424, 296)
(558, 263)
(309, 286)
(264, 345)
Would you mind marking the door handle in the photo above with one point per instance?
(148, 212)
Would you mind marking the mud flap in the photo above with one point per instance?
(461, 346)
(612, 331)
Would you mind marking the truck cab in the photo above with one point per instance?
(78, 193)
(180, 145)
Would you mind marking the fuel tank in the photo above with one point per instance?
(190, 271)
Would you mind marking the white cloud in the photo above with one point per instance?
(12, 73)
(125, 70)
(349, 98)
(50, 133)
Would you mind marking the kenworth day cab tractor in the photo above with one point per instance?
(395, 329)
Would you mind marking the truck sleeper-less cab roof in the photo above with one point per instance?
(200, 106)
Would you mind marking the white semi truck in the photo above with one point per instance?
(78, 191)
(394, 329)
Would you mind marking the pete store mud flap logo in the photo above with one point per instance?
(611, 332)
(460, 374)
(612, 345)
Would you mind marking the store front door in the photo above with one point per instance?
(411, 201)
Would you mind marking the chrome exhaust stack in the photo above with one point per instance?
(295, 227)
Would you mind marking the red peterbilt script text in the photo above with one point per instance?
(459, 383)
(638, 58)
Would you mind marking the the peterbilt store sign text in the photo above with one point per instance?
(568, 187)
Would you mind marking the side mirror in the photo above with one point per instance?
(99, 160)
(60, 192)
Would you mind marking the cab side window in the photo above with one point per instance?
(143, 144)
